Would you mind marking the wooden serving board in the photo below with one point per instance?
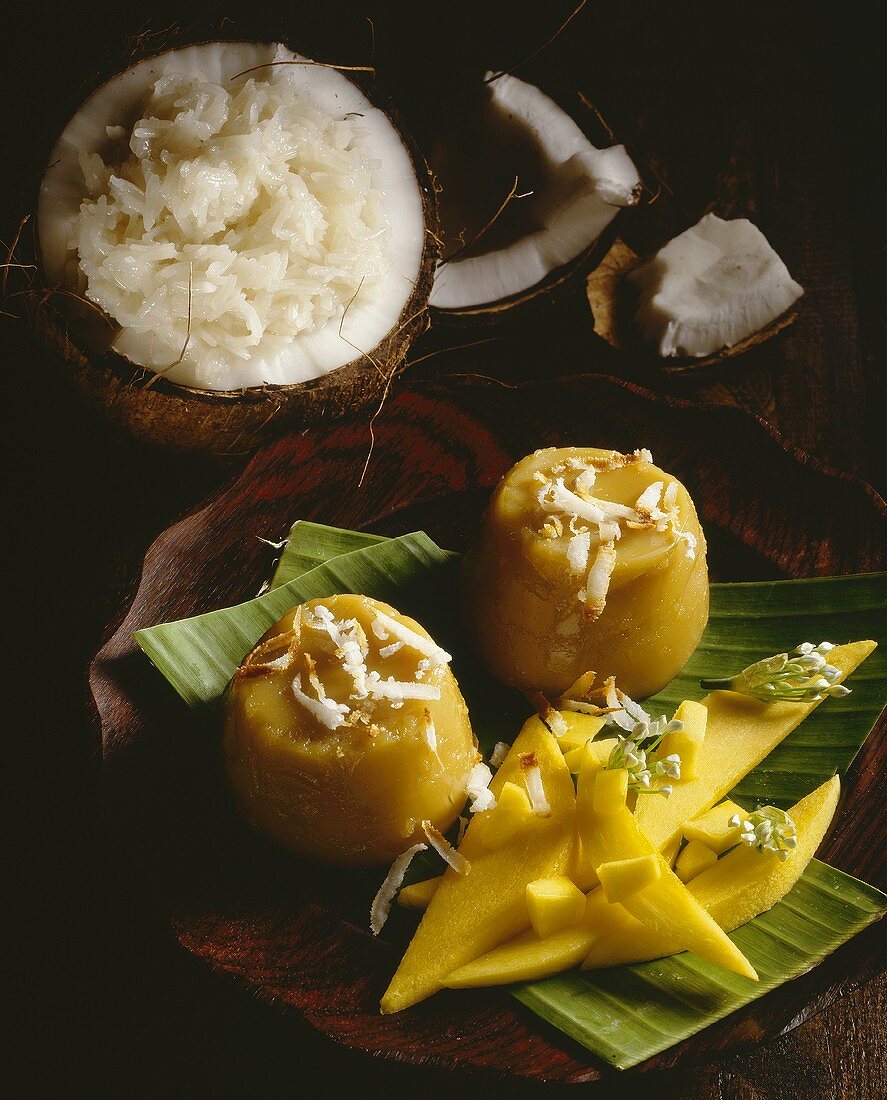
(291, 932)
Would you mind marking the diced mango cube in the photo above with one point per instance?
(623, 878)
(610, 790)
(512, 812)
(687, 743)
(600, 749)
(553, 904)
(712, 828)
(694, 857)
(418, 894)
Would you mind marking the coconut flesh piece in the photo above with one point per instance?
(711, 287)
(227, 222)
(579, 193)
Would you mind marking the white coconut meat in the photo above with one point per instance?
(711, 287)
(569, 192)
(232, 222)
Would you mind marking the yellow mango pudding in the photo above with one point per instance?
(345, 731)
(588, 559)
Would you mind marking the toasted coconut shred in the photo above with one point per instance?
(381, 906)
(551, 717)
(481, 798)
(533, 780)
(445, 850)
(606, 701)
(499, 753)
(595, 524)
(345, 641)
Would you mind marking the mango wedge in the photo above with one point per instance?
(528, 956)
(471, 914)
(740, 732)
(741, 885)
(418, 895)
(666, 906)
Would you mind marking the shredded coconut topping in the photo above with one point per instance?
(535, 789)
(381, 906)
(499, 753)
(656, 507)
(384, 627)
(478, 789)
(445, 850)
(327, 711)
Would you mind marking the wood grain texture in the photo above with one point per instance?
(249, 910)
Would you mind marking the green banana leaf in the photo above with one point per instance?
(198, 656)
(626, 1014)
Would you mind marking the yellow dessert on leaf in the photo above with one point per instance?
(741, 731)
(345, 729)
(734, 890)
(553, 904)
(623, 878)
(588, 559)
(472, 913)
(666, 906)
(693, 859)
(713, 829)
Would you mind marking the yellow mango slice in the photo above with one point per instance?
(419, 894)
(580, 728)
(553, 904)
(687, 743)
(693, 860)
(528, 957)
(666, 906)
(602, 748)
(609, 791)
(511, 813)
(470, 914)
(741, 885)
(713, 828)
(623, 878)
(740, 732)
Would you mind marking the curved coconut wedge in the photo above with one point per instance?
(740, 886)
(471, 913)
(525, 199)
(739, 733)
(719, 289)
(240, 238)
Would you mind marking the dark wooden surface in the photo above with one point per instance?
(103, 997)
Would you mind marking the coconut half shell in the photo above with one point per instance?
(182, 418)
(527, 201)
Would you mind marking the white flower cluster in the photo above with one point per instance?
(768, 829)
(804, 677)
(636, 755)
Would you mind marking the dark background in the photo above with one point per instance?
(102, 996)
